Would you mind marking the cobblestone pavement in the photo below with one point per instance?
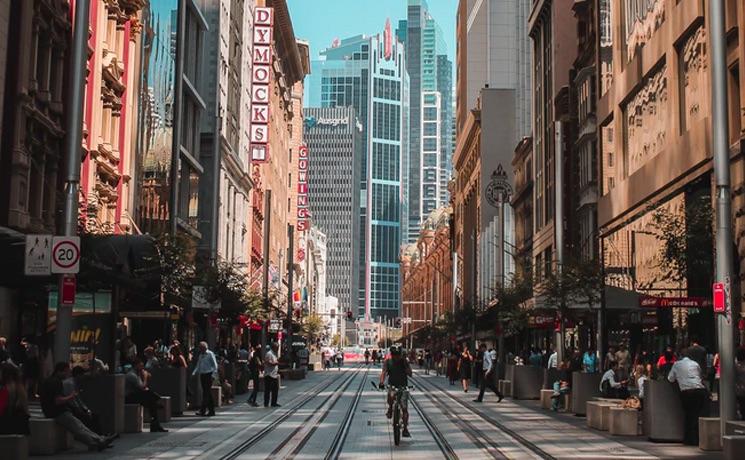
(339, 414)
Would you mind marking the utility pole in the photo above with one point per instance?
(76, 88)
(724, 256)
(265, 255)
(290, 300)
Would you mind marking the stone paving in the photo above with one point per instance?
(510, 429)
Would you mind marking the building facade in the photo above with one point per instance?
(335, 150)
(655, 153)
(430, 110)
(369, 73)
(427, 267)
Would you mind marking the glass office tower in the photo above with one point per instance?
(369, 74)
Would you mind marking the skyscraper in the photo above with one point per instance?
(430, 142)
(335, 150)
(369, 74)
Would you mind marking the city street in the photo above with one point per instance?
(338, 414)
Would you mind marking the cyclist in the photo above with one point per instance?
(397, 369)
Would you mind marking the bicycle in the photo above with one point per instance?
(398, 403)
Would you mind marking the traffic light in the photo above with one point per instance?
(349, 314)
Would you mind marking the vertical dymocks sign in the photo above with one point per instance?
(303, 214)
(260, 78)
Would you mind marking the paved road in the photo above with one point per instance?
(338, 414)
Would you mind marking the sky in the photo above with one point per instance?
(321, 21)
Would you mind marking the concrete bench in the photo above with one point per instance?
(598, 414)
(623, 421)
(709, 433)
(133, 418)
(47, 437)
(217, 396)
(546, 398)
(164, 411)
(505, 387)
(734, 427)
(733, 447)
(14, 446)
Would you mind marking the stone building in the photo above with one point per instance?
(522, 203)
(655, 152)
(427, 268)
(110, 120)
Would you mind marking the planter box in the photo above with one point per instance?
(598, 414)
(104, 395)
(585, 387)
(549, 377)
(733, 447)
(663, 412)
(623, 422)
(735, 428)
(14, 446)
(171, 381)
(709, 433)
(527, 382)
(546, 397)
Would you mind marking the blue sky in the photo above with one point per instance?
(320, 21)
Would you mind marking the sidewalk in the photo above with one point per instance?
(564, 435)
(191, 436)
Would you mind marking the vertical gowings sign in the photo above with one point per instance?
(303, 213)
(260, 79)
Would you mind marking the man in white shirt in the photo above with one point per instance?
(271, 376)
(693, 395)
(206, 368)
(488, 374)
(610, 387)
(553, 360)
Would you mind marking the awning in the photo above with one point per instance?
(616, 298)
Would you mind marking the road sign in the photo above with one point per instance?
(720, 300)
(38, 259)
(66, 254)
(69, 288)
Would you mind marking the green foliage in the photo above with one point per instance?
(577, 281)
(313, 328)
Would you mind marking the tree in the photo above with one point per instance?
(177, 269)
(313, 327)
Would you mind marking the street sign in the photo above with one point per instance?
(66, 254)
(38, 255)
(720, 298)
(69, 287)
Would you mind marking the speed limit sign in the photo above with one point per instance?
(66, 254)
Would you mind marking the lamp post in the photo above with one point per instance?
(724, 256)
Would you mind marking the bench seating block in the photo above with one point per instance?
(623, 421)
(14, 446)
(217, 396)
(47, 437)
(546, 398)
(133, 418)
(735, 427)
(164, 412)
(598, 414)
(709, 433)
(733, 447)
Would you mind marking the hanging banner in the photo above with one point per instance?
(303, 211)
(261, 79)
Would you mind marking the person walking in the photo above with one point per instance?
(693, 395)
(590, 361)
(452, 366)
(553, 360)
(465, 362)
(478, 364)
(271, 376)
(254, 371)
(367, 356)
(206, 368)
(740, 380)
(488, 374)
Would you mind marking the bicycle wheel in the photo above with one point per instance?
(396, 425)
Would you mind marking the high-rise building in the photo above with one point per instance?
(335, 152)
(369, 74)
(430, 107)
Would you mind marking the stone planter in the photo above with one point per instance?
(171, 381)
(527, 382)
(584, 387)
(104, 395)
(663, 412)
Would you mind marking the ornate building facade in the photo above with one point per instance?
(427, 268)
(110, 116)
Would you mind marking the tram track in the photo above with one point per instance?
(447, 450)
(518, 438)
(316, 390)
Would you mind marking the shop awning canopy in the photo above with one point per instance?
(616, 298)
